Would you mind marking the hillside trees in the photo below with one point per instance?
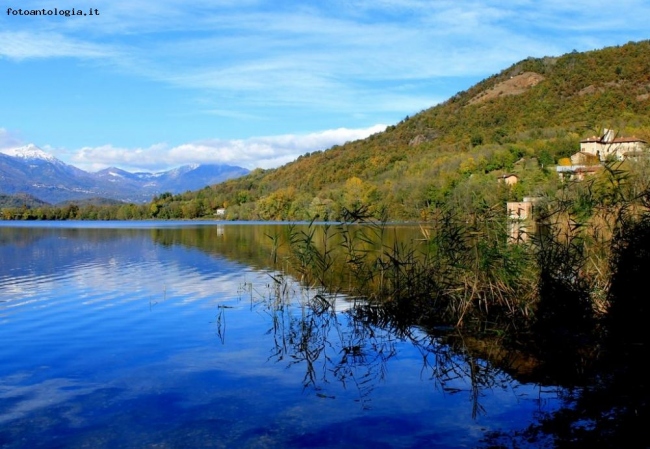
(453, 148)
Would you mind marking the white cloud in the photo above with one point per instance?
(25, 45)
(254, 152)
(330, 56)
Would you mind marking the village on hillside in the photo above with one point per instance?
(596, 150)
(589, 160)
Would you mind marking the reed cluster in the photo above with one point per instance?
(466, 271)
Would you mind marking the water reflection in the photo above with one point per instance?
(329, 346)
(185, 337)
(354, 349)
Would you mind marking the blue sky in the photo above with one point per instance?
(151, 85)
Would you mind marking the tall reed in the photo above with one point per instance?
(465, 271)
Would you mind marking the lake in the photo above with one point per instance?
(184, 335)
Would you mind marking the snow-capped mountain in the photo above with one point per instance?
(32, 171)
(31, 151)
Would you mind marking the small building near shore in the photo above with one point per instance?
(520, 220)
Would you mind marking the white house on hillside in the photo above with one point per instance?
(608, 145)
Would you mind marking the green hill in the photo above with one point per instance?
(521, 120)
(20, 200)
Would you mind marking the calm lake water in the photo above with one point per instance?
(175, 334)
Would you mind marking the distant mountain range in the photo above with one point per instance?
(31, 171)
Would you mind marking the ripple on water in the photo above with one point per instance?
(112, 339)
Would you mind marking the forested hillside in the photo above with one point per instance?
(20, 200)
(522, 120)
(456, 150)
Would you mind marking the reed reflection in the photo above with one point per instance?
(347, 345)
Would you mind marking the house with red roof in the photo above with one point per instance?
(609, 146)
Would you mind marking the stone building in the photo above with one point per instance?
(609, 146)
